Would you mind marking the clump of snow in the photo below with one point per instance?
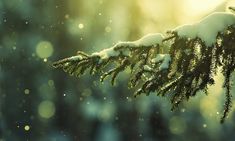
(152, 39)
(125, 44)
(208, 28)
(147, 40)
(75, 58)
(189, 31)
(106, 53)
(159, 58)
(111, 52)
(147, 68)
(164, 59)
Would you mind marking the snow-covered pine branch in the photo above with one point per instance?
(179, 69)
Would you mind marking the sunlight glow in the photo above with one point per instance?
(230, 3)
(195, 9)
(201, 6)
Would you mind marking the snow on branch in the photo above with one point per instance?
(179, 69)
(208, 28)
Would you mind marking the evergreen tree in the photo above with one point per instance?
(178, 64)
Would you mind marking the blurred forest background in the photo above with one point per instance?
(39, 103)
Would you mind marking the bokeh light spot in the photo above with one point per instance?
(26, 91)
(81, 26)
(66, 16)
(208, 106)
(51, 83)
(44, 49)
(108, 29)
(46, 109)
(107, 112)
(177, 125)
(204, 125)
(26, 127)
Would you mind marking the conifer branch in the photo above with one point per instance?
(179, 71)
